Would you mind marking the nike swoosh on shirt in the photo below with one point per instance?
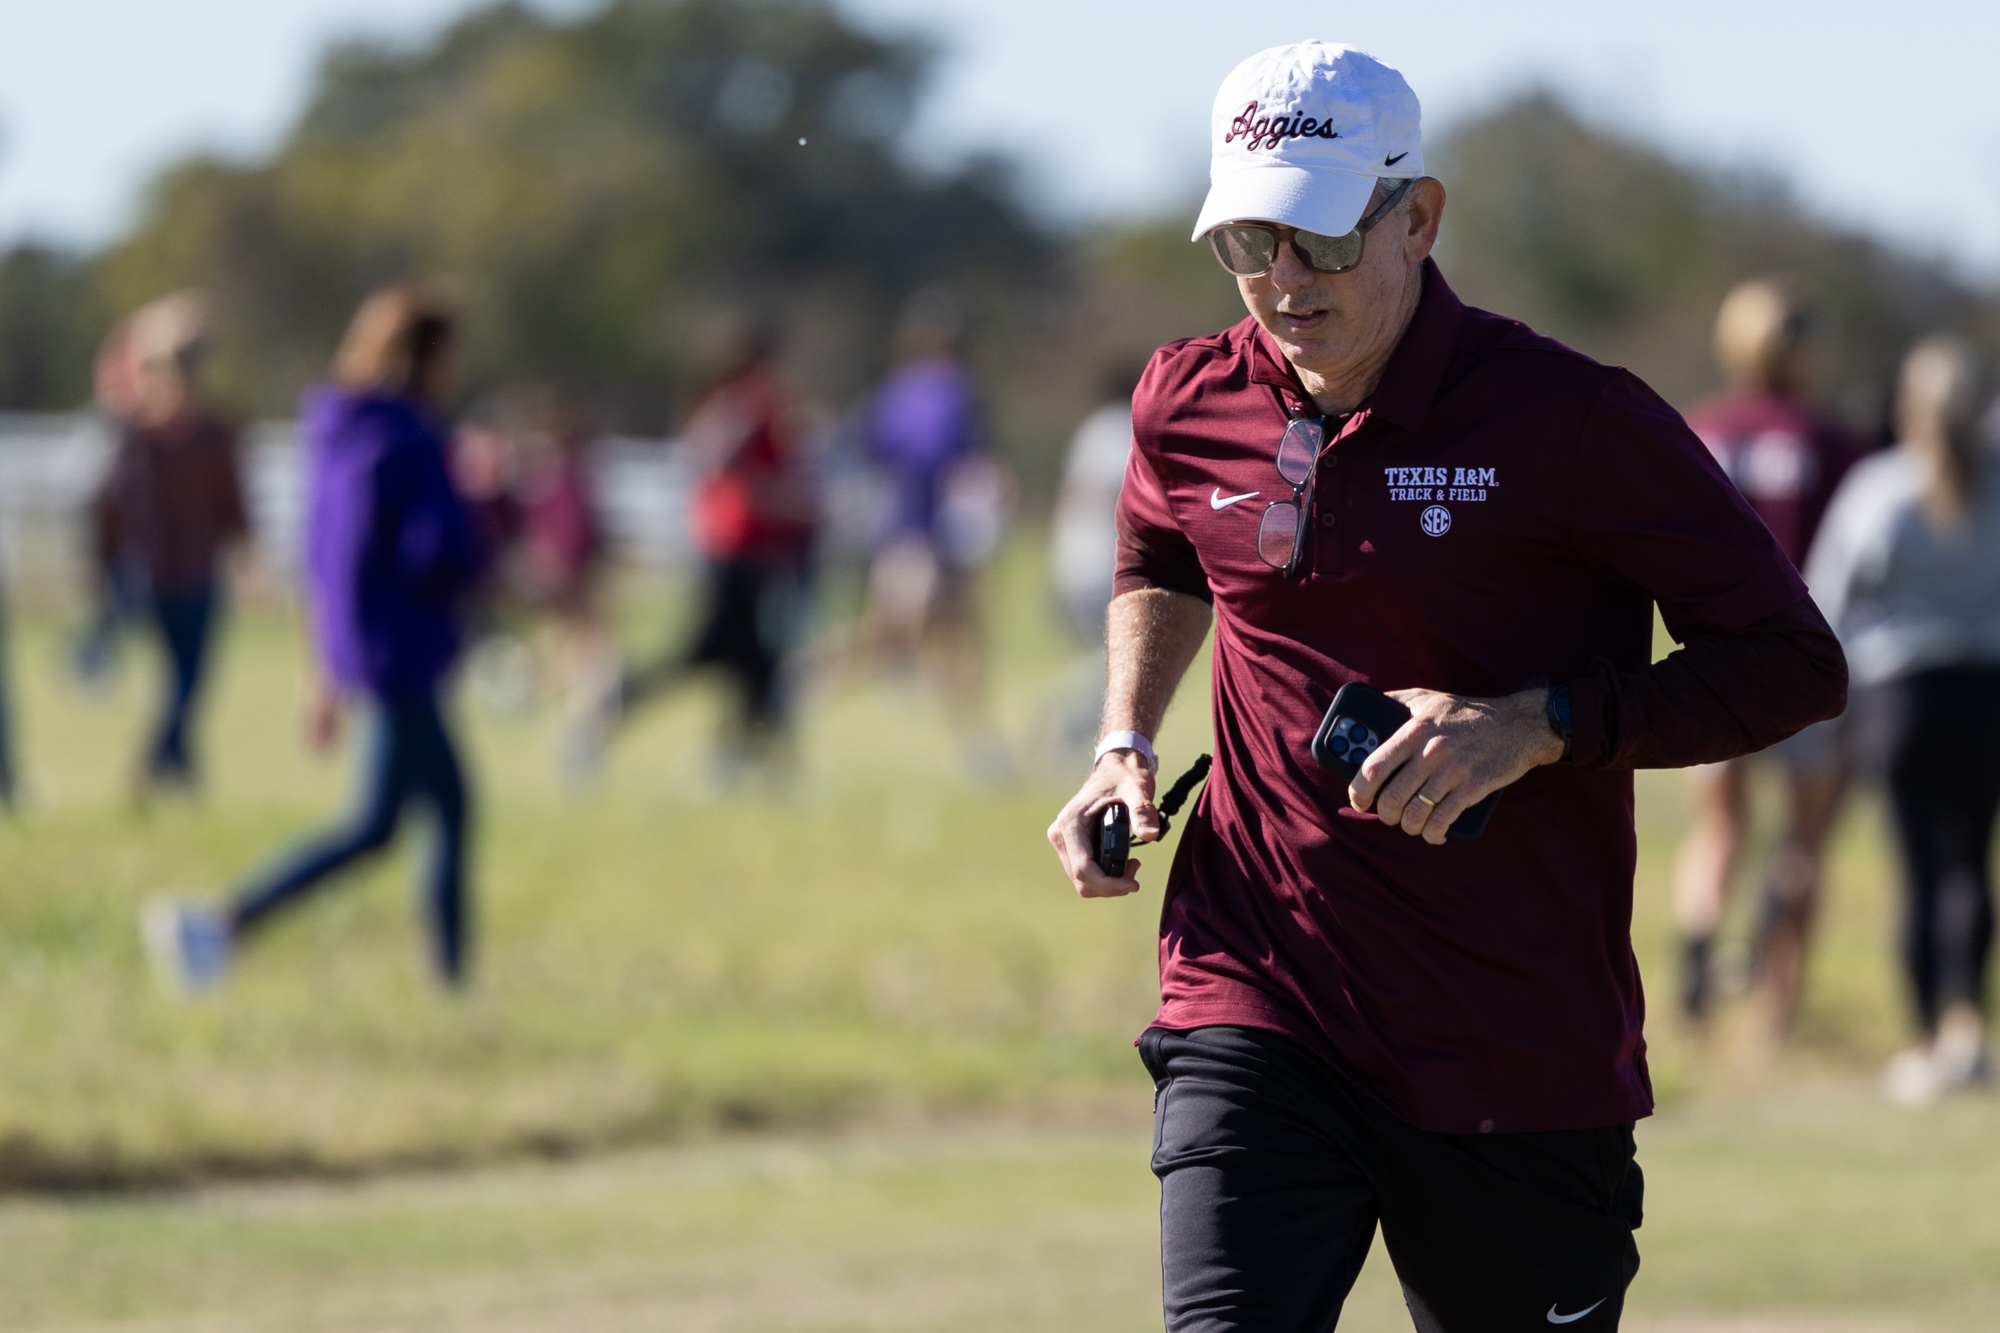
(1221, 501)
(1555, 1318)
(1390, 162)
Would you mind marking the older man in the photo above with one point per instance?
(1361, 1022)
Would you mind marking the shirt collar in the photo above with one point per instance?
(1415, 371)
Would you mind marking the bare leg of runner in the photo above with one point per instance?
(1702, 872)
(1791, 897)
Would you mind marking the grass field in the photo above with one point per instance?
(876, 967)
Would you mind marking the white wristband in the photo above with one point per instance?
(1127, 740)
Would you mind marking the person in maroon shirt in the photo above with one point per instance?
(168, 511)
(1787, 461)
(1360, 1021)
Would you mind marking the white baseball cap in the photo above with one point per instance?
(1301, 135)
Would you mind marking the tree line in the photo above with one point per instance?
(593, 190)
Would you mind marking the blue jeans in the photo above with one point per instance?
(410, 756)
(184, 621)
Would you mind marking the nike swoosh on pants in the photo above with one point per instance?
(1555, 1318)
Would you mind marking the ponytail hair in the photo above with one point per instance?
(394, 342)
(1759, 331)
(1941, 398)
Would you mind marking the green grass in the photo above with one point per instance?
(654, 959)
(1804, 1213)
(876, 965)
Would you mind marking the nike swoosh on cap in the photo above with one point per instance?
(1390, 162)
(1221, 501)
(1555, 1318)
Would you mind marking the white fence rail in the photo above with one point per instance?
(51, 463)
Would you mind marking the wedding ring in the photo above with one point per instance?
(1427, 800)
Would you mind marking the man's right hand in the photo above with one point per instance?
(1121, 775)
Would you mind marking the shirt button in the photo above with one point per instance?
(1326, 520)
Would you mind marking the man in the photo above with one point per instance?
(1361, 1022)
(1787, 461)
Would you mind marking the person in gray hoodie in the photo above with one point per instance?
(1907, 570)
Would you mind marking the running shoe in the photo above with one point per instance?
(1911, 1078)
(1958, 1056)
(189, 945)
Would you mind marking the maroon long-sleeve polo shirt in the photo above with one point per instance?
(1501, 513)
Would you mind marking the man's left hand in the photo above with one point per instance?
(1450, 754)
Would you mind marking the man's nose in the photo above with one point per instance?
(1289, 273)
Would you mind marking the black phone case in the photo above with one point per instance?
(1112, 844)
(1338, 745)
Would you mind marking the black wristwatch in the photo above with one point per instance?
(1558, 713)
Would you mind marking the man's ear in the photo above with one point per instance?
(1425, 213)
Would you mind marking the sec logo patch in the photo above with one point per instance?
(1436, 521)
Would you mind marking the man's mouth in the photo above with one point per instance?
(1302, 321)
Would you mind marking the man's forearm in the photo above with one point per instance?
(1721, 696)
(1151, 635)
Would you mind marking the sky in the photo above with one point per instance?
(1881, 117)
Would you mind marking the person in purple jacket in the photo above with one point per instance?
(942, 522)
(390, 551)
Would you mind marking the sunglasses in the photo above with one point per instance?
(1250, 249)
(1281, 532)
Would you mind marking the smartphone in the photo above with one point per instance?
(1111, 839)
(1358, 720)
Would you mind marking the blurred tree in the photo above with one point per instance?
(588, 190)
(48, 328)
(1624, 253)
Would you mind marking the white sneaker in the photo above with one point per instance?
(189, 945)
(1958, 1056)
(600, 702)
(1911, 1078)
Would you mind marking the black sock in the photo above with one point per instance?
(1697, 974)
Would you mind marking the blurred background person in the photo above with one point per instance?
(560, 558)
(391, 551)
(754, 517)
(1083, 546)
(1907, 570)
(115, 393)
(943, 522)
(167, 512)
(7, 792)
(499, 666)
(1787, 460)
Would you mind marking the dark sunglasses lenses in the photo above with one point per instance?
(1247, 251)
(1244, 251)
(1278, 534)
(1299, 450)
(1330, 254)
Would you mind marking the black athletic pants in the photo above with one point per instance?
(1274, 1171)
(1944, 786)
(743, 631)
